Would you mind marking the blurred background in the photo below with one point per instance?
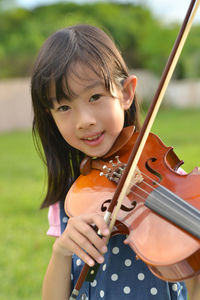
(145, 32)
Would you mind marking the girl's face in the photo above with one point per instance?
(92, 120)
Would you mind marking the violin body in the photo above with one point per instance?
(169, 249)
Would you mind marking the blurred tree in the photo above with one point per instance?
(191, 53)
(143, 40)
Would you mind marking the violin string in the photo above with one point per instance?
(134, 193)
(158, 192)
(147, 193)
(149, 185)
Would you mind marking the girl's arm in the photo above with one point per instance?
(57, 280)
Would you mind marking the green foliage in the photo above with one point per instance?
(144, 41)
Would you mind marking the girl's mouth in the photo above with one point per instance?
(94, 140)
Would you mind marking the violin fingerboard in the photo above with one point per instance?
(175, 209)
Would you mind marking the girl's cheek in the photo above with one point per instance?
(66, 130)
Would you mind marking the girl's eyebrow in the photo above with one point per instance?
(52, 99)
(91, 86)
(94, 84)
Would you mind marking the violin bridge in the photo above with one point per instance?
(136, 179)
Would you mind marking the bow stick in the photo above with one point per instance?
(127, 176)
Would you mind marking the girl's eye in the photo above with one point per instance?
(95, 97)
(63, 108)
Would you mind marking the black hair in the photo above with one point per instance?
(88, 45)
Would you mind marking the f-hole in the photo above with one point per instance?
(104, 206)
(153, 171)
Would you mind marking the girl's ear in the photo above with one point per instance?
(129, 87)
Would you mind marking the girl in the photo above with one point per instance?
(82, 98)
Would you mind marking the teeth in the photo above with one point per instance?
(93, 138)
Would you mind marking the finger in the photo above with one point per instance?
(126, 241)
(86, 231)
(99, 221)
(83, 225)
(86, 250)
(90, 247)
(68, 242)
(82, 254)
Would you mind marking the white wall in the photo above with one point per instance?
(15, 100)
(179, 93)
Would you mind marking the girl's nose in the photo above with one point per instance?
(85, 119)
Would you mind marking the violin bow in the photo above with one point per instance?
(129, 171)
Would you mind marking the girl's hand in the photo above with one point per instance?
(80, 238)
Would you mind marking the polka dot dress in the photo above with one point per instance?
(122, 276)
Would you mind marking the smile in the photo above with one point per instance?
(94, 137)
(94, 140)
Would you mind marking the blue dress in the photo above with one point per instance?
(121, 276)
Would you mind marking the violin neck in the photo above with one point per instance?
(174, 209)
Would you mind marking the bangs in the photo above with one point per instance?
(63, 90)
(81, 71)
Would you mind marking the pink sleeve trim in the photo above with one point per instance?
(181, 171)
(54, 220)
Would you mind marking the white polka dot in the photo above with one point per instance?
(78, 262)
(101, 293)
(64, 219)
(72, 277)
(174, 287)
(114, 277)
(141, 276)
(93, 283)
(83, 296)
(127, 290)
(115, 250)
(104, 267)
(128, 262)
(153, 291)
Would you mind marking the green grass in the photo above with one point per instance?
(24, 248)
(180, 129)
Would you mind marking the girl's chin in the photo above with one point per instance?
(96, 152)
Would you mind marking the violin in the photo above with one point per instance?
(160, 203)
(138, 190)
